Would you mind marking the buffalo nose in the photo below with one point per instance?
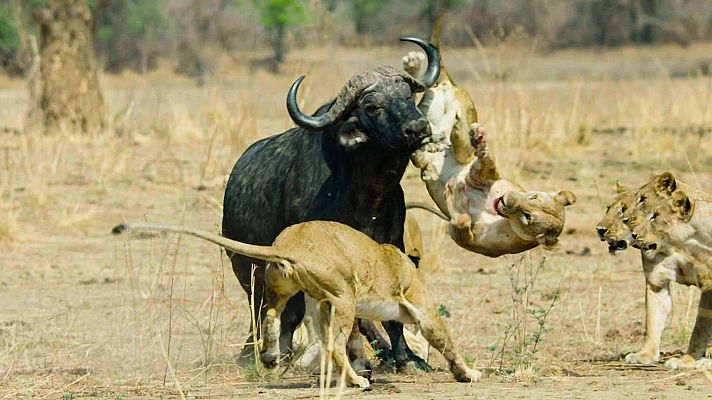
(416, 128)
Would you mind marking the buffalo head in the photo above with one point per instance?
(375, 106)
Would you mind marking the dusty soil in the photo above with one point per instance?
(87, 315)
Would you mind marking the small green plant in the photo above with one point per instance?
(254, 371)
(377, 351)
(528, 324)
(471, 361)
(68, 396)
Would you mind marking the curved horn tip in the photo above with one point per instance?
(433, 70)
(301, 119)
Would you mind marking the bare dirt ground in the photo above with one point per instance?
(87, 315)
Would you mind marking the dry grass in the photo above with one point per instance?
(96, 316)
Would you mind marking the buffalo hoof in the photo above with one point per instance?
(269, 360)
(415, 365)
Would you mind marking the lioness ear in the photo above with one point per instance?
(666, 184)
(682, 206)
(620, 188)
(566, 198)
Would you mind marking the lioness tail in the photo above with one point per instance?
(266, 253)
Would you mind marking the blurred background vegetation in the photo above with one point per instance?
(136, 34)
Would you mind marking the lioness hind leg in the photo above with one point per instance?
(436, 333)
(279, 289)
(700, 338)
(337, 323)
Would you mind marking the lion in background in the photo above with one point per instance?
(673, 231)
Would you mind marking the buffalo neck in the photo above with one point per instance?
(368, 179)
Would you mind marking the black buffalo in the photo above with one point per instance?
(344, 163)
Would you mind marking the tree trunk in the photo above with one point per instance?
(278, 46)
(70, 96)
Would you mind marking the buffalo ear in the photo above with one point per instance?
(349, 136)
(682, 205)
(566, 198)
(666, 184)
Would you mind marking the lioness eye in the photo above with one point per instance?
(528, 217)
(653, 216)
(641, 199)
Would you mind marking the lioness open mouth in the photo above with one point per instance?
(619, 245)
(499, 200)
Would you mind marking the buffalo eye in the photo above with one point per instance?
(372, 109)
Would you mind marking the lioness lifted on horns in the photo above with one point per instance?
(487, 214)
(625, 220)
(349, 275)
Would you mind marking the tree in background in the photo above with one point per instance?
(129, 33)
(70, 95)
(15, 33)
(364, 11)
(276, 17)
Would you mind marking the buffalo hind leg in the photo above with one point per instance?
(242, 268)
(292, 316)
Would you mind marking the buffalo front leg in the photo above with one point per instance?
(700, 337)
(658, 305)
(375, 338)
(406, 360)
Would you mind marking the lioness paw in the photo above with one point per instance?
(640, 358)
(413, 63)
(472, 375)
(359, 381)
(478, 139)
(687, 362)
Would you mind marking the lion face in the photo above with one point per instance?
(613, 228)
(536, 216)
(665, 224)
(628, 206)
